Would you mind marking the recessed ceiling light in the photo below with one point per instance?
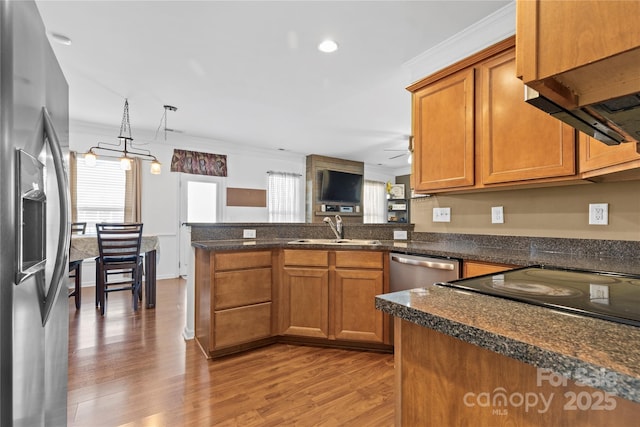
(61, 38)
(328, 46)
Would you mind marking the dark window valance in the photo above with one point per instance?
(197, 163)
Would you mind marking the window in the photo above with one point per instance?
(284, 193)
(374, 206)
(100, 192)
(202, 201)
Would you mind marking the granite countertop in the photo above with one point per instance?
(597, 352)
(459, 249)
(603, 354)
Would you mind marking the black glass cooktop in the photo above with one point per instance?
(609, 296)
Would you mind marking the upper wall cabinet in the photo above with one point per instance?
(579, 52)
(519, 142)
(472, 129)
(443, 133)
(605, 162)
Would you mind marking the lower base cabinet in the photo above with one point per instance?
(355, 317)
(233, 300)
(477, 268)
(306, 301)
(330, 295)
(444, 381)
(246, 299)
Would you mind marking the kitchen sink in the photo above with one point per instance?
(356, 242)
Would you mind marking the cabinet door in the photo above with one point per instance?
(558, 36)
(356, 318)
(443, 123)
(306, 302)
(519, 142)
(596, 155)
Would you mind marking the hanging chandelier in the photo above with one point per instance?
(124, 146)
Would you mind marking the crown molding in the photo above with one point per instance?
(484, 33)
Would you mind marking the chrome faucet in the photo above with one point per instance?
(337, 228)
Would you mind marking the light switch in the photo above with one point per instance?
(249, 234)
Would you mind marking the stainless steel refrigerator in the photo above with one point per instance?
(34, 223)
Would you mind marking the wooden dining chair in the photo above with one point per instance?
(75, 267)
(119, 266)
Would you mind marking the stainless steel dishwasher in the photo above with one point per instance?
(416, 271)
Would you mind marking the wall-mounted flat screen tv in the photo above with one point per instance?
(338, 186)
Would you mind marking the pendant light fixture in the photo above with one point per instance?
(124, 146)
(163, 122)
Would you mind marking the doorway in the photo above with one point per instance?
(201, 201)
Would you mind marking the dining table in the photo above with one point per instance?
(85, 246)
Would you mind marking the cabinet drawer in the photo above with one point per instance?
(241, 325)
(241, 260)
(308, 258)
(236, 288)
(359, 259)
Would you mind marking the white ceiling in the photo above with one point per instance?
(249, 73)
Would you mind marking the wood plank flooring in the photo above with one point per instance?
(135, 369)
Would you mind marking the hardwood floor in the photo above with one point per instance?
(135, 369)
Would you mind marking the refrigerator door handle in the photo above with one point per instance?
(62, 256)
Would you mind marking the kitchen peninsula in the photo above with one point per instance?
(475, 359)
(514, 343)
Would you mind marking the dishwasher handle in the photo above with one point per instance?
(438, 265)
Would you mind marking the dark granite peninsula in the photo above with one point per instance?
(474, 359)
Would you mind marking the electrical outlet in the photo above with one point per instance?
(249, 234)
(399, 235)
(599, 293)
(598, 213)
(441, 214)
(497, 215)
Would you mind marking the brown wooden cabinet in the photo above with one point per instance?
(579, 52)
(305, 293)
(233, 299)
(443, 133)
(439, 377)
(472, 129)
(519, 142)
(359, 277)
(598, 159)
(330, 295)
(478, 268)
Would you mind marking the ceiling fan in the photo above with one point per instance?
(403, 151)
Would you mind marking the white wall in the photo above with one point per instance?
(246, 168)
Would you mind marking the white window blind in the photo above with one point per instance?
(284, 193)
(374, 206)
(100, 192)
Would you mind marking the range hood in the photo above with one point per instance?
(612, 122)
